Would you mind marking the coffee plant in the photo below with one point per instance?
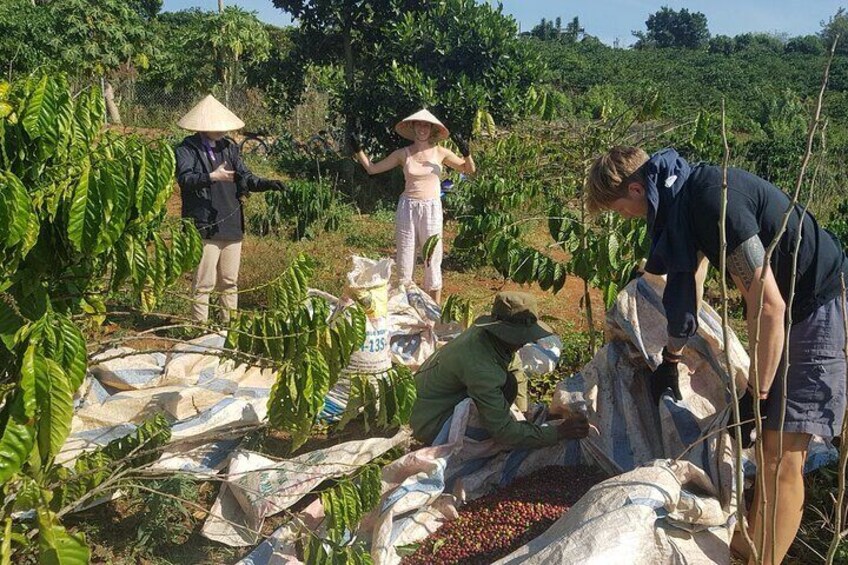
(345, 503)
(458, 309)
(527, 180)
(81, 215)
(384, 399)
(295, 335)
(306, 206)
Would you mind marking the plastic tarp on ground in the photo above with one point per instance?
(257, 487)
(424, 488)
(675, 499)
(209, 402)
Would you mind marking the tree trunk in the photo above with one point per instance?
(347, 169)
(111, 106)
(220, 6)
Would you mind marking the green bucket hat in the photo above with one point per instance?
(514, 319)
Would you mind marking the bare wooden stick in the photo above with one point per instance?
(787, 333)
(838, 534)
(725, 331)
(754, 346)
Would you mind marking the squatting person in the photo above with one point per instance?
(481, 364)
(419, 210)
(682, 205)
(213, 183)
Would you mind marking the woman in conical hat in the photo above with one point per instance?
(213, 180)
(419, 211)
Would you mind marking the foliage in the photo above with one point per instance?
(603, 255)
(235, 33)
(507, 183)
(775, 153)
(816, 532)
(167, 516)
(548, 30)
(671, 28)
(806, 44)
(838, 224)
(285, 75)
(345, 503)
(203, 49)
(23, 43)
(85, 38)
(836, 26)
(455, 57)
(82, 214)
(458, 309)
(295, 335)
(429, 248)
(307, 204)
(92, 469)
(385, 399)
(698, 80)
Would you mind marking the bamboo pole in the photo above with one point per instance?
(754, 346)
(725, 332)
(838, 534)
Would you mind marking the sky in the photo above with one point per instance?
(616, 19)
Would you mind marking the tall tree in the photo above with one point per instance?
(338, 31)
(546, 29)
(203, 50)
(836, 25)
(573, 31)
(455, 56)
(670, 28)
(234, 32)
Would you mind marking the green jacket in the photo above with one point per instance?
(473, 365)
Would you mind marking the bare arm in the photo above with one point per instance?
(395, 159)
(700, 277)
(462, 164)
(745, 264)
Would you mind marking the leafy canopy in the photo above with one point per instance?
(670, 28)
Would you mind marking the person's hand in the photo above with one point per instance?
(277, 185)
(665, 379)
(355, 141)
(222, 174)
(575, 426)
(462, 144)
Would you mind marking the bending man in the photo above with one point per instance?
(682, 205)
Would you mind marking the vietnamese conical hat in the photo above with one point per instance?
(210, 115)
(406, 127)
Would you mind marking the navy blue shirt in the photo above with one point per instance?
(755, 207)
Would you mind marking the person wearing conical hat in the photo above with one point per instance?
(213, 181)
(419, 211)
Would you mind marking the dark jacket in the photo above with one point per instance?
(193, 170)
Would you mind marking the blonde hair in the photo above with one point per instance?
(607, 177)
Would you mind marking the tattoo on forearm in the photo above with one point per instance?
(746, 259)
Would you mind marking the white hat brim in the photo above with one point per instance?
(406, 127)
(210, 115)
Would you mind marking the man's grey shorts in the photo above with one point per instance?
(816, 380)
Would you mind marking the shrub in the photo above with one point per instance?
(301, 211)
